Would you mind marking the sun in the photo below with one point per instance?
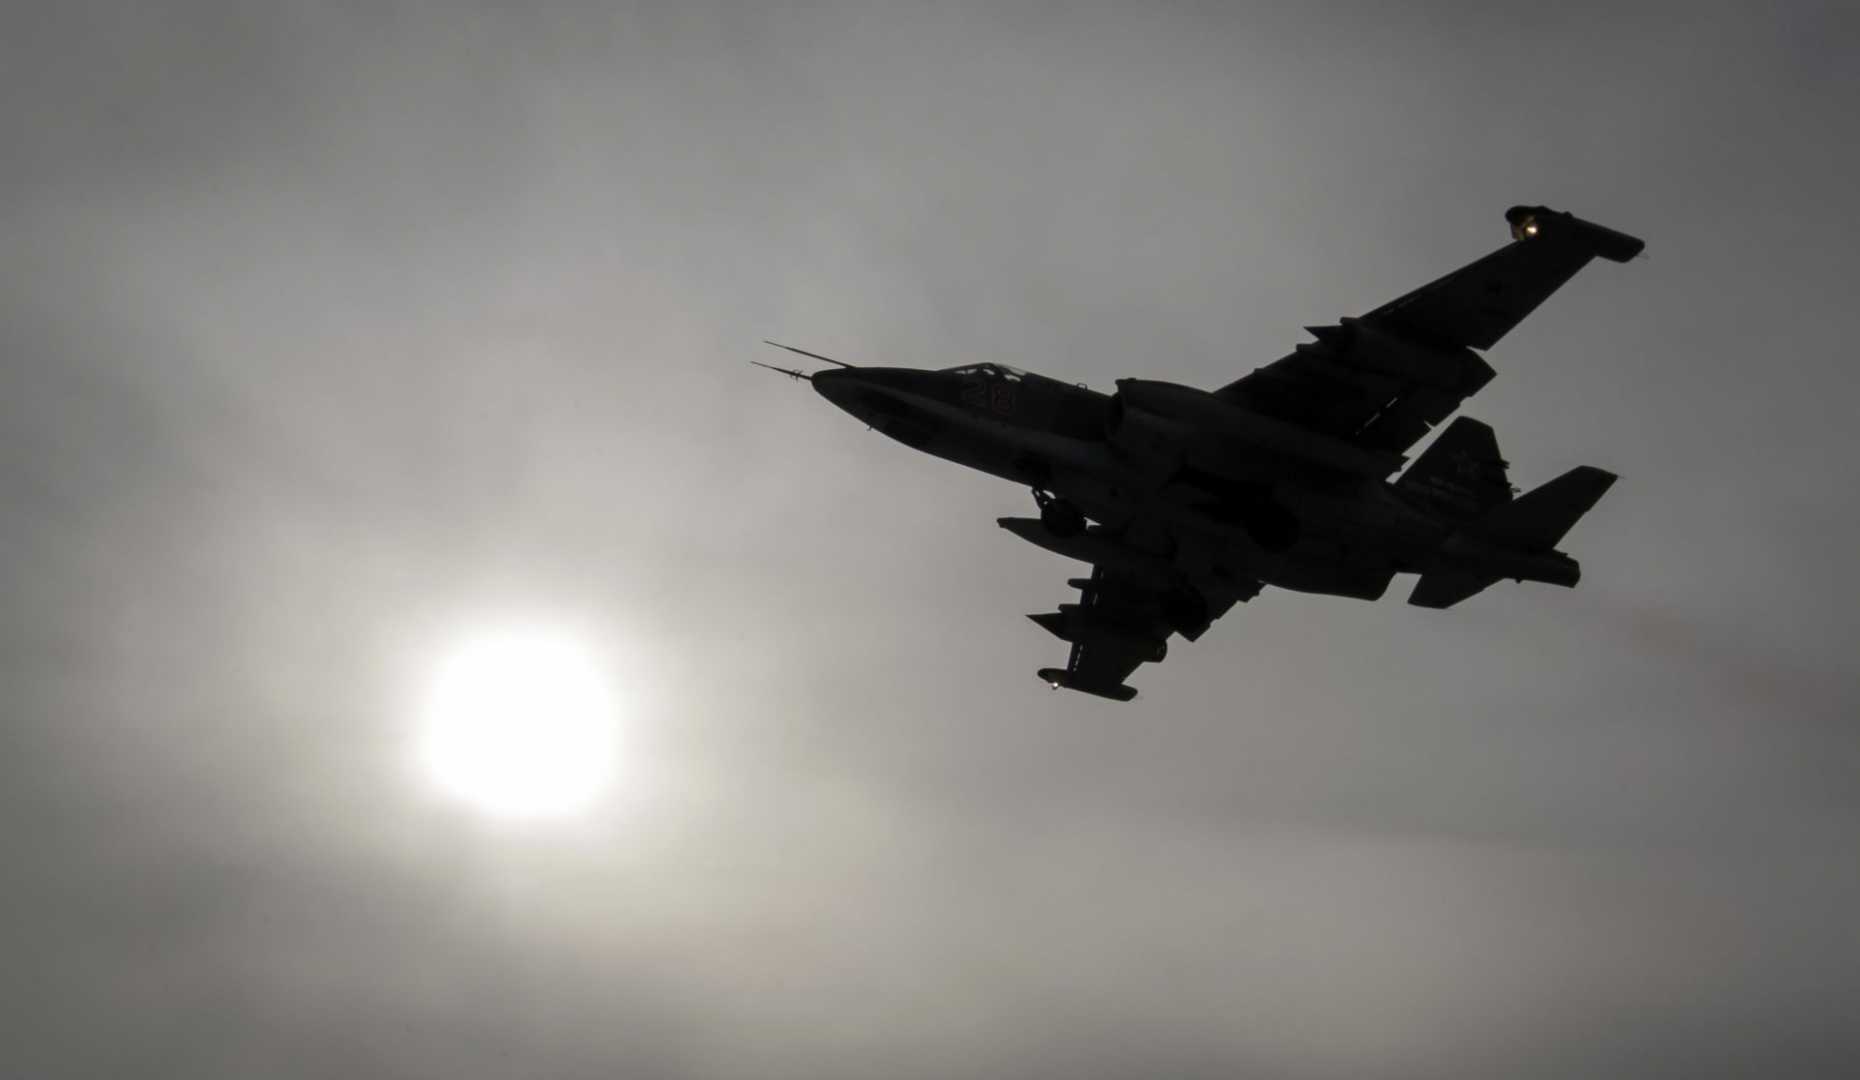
(519, 723)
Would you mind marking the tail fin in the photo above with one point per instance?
(1538, 519)
(1461, 471)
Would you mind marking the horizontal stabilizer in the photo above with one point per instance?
(1540, 518)
(1447, 588)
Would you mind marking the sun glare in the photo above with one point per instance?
(519, 724)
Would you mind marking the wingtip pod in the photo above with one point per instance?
(1530, 222)
(1058, 678)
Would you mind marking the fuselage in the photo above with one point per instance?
(1185, 502)
(1242, 497)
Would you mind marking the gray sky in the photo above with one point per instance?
(328, 331)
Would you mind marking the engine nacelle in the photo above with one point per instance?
(1156, 443)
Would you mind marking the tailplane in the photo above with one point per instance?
(1540, 518)
(1445, 588)
(1516, 539)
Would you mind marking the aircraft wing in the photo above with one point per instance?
(1123, 620)
(1385, 379)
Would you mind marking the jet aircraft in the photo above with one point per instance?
(1187, 501)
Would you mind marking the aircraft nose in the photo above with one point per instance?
(863, 392)
(830, 384)
(841, 386)
(884, 399)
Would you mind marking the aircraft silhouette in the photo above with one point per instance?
(1186, 501)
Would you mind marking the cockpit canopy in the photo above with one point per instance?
(988, 371)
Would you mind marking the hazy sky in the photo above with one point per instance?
(331, 331)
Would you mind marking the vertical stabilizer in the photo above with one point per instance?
(1460, 473)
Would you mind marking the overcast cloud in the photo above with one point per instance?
(330, 329)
